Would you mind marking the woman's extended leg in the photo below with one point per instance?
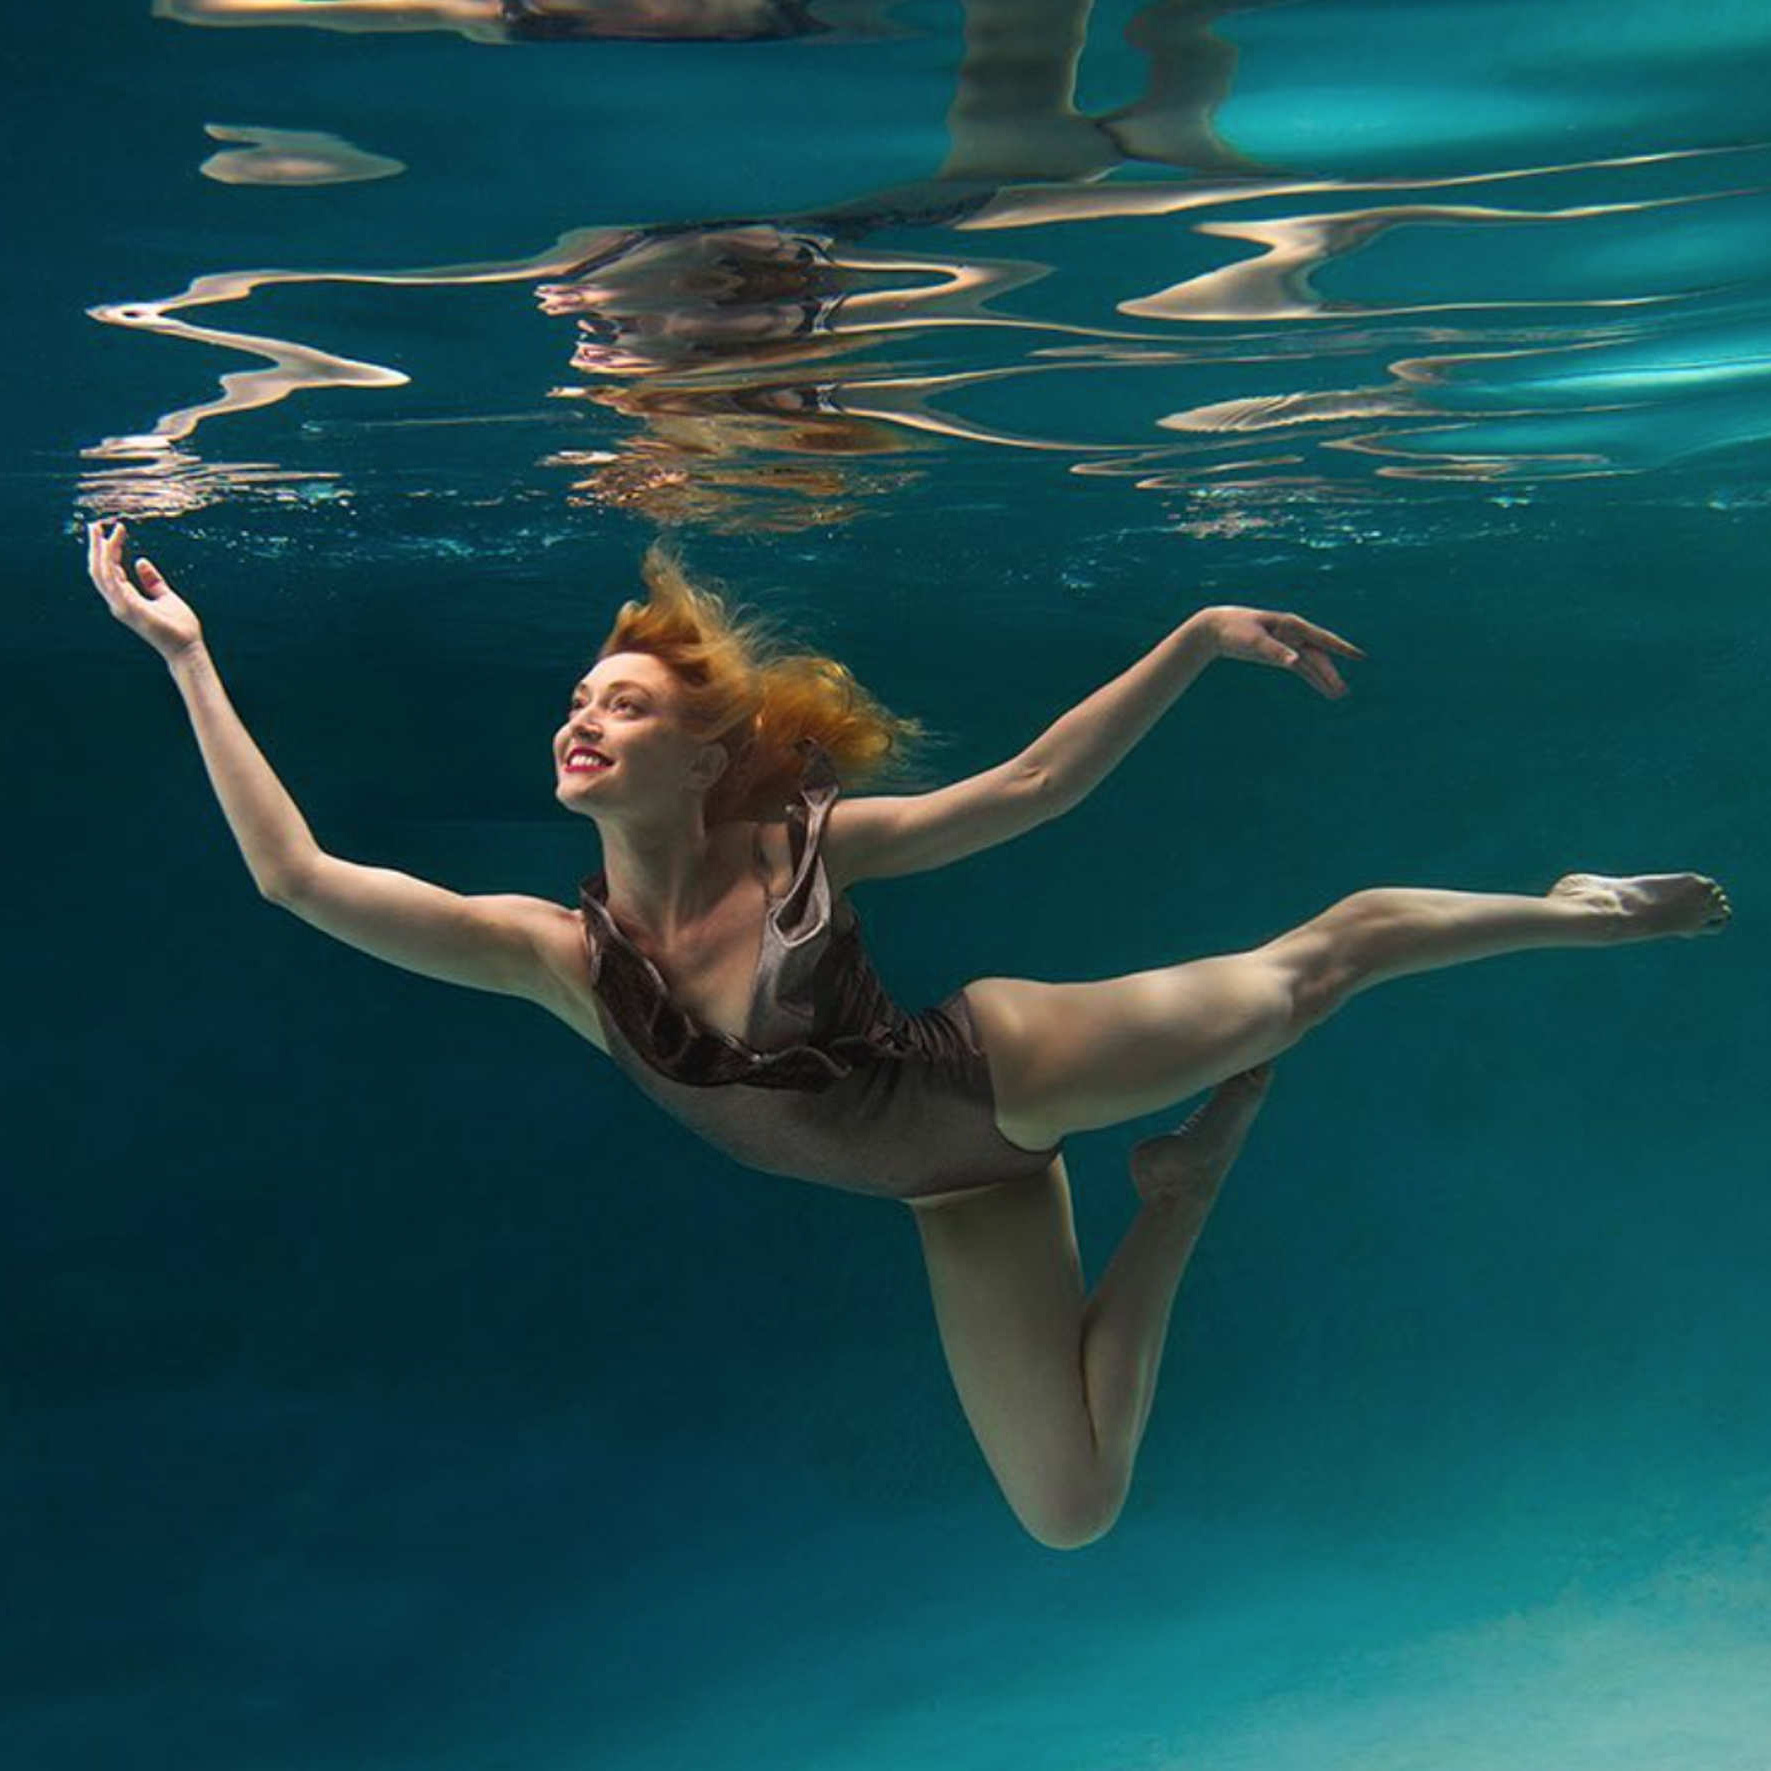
(1074, 1057)
(1057, 1387)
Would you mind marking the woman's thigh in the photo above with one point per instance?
(1075, 1057)
(1006, 1279)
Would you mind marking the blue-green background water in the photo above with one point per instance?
(388, 1386)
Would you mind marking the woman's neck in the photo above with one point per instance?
(667, 880)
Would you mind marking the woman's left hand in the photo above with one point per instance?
(1286, 642)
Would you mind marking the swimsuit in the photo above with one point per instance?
(523, 23)
(833, 1082)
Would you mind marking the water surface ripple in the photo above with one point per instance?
(1147, 293)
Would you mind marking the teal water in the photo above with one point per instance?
(387, 1385)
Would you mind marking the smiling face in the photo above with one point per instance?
(622, 742)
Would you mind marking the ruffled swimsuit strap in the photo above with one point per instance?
(670, 1039)
(805, 906)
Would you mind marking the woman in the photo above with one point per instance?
(716, 960)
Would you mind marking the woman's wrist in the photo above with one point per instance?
(186, 658)
(1201, 629)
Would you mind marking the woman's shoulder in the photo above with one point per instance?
(566, 990)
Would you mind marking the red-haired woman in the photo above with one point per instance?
(716, 960)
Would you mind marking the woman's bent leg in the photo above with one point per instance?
(1057, 1387)
(1125, 1326)
(1006, 1280)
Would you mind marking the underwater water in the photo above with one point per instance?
(387, 1383)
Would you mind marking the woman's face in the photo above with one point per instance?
(621, 742)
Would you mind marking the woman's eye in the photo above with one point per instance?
(632, 706)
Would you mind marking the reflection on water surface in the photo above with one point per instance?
(1292, 331)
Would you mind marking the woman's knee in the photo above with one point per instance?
(1317, 962)
(1072, 1515)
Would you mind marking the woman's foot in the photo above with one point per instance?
(1190, 1164)
(1650, 904)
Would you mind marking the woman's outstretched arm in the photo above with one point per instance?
(267, 824)
(496, 943)
(1079, 749)
(274, 839)
(877, 837)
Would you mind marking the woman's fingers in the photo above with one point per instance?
(1320, 636)
(1321, 674)
(104, 561)
(99, 562)
(150, 608)
(1284, 640)
(1312, 645)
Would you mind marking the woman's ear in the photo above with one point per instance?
(710, 764)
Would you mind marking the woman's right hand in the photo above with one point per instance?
(154, 610)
